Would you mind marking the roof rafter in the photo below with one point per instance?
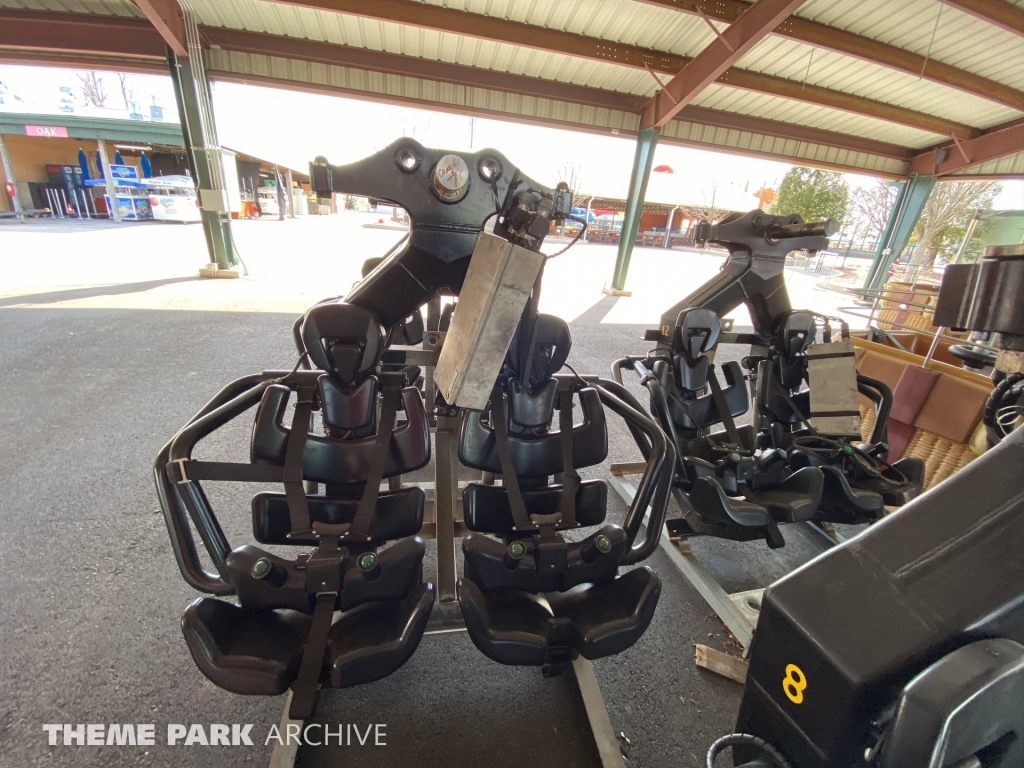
(945, 158)
(166, 18)
(396, 64)
(860, 47)
(706, 67)
(475, 25)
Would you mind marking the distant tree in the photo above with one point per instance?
(710, 210)
(572, 175)
(872, 205)
(813, 194)
(127, 90)
(91, 86)
(944, 219)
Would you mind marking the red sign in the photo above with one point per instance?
(48, 131)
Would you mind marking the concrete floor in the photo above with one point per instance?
(92, 597)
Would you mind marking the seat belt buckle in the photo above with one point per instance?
(551, 555)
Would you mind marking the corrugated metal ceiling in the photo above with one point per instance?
(958, 39)
(961, 40)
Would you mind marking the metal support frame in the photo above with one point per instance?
(903, 218)
(9, 175)
(668, 226)
(737, 611)
(108, 178)
(444, 499)
(192, 91)
(749, 28)
(643, 161)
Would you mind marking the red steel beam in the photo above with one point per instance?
(998, 12)
(79, 33)
(943, 159)
(441, 19)
(864, 48)
(727, 48)
(166, 18)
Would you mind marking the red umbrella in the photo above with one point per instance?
(664, 169)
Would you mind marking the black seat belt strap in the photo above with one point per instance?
(304, 689)
(393, 386)
(295, 491)
(520, 517)
(723, 408)
(570, 478)
(187, 470)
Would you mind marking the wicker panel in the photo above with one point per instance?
(941, 456)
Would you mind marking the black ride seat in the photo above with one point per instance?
(259, 645)
(529, 596)
(733, 493)
(853, 492)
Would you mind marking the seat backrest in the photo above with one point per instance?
(532, 415)
(346, 342)
(532, 391)
(696, 332)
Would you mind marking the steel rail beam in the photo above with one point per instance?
(726, 49)
(945, 158)
(166, 18)
(860, 47)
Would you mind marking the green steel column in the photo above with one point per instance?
(204, 154)
(903, 218)
(643, 161)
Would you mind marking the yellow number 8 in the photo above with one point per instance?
(793, 684)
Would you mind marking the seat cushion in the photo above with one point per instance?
(245, 651)
(842, 503)
(486, 507)
(516, 628)
(373, 640)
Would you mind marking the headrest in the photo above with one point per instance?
(797, 331)
(697, 331)
(344, 340)
(552, 343)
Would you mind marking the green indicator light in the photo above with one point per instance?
(847, 449)
(516, 550)
(368, 561)
(604, 546)
(261, 568)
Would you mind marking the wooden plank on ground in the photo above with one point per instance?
(721, 663)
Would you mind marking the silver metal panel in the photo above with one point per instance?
(498, 283)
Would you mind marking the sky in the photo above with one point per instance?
(291, 128)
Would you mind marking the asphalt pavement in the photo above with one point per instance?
(92, 598)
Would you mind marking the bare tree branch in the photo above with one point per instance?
(91, 85)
